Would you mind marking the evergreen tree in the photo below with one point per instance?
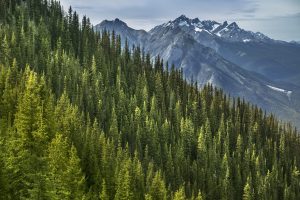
(65, 179)
(26, 157)
(248, 193)
(157, 188)
(179, 194)
(124, 184)
(80, 117)
(103, 194)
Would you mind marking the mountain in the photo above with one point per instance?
(82, 118)
(243, 63)
(229, 32)
(276, 60)
(295, 42)
(132, 36)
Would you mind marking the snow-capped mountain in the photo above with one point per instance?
(276, 60)
(223, 54)
(230, 32)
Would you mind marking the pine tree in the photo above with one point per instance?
(124, 184)
(157, 190)
(5, 51)
(134, 123)
(248, 193)
(199, 196)
(26, 158)
(180, 194)
(187, 133)
(114, 131)
(3, 175)
(64, 178)
(104, 194)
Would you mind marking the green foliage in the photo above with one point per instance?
(248, 191)
(179, 194)
(64, 176)
(157, 188)
(81, 118)
(103, 194)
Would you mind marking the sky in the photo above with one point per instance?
(278, 19)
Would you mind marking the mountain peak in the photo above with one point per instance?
(210, 24)
(196, 20)
(233, 25)
(112, 23)
(119, 22)
(182, 18)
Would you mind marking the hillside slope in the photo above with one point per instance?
(82, 118)
(242, 63)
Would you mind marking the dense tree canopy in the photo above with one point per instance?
(82, 118)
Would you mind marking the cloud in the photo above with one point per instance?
(148, 13)
(284, 27)
(154, 9)
(83, 7)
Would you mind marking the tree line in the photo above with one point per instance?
(83, 118)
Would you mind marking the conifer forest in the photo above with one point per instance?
(81, 117)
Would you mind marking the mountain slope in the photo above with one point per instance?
(81, 118)
(276, 60)
(224, 54)
(134, 37)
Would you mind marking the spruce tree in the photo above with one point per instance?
(64, 177)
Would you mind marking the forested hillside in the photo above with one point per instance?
(81, 118)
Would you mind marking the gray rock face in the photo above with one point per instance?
(134, 37)
(264, 71)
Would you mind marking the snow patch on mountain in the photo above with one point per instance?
(239, 78)
(216, 52)
(215, 26)
(241, 54)
(246, 40)
(183, 23)
(231, 32)
(198, 29)
(287, 92)
(211, 80)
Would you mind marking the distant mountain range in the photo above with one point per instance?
(245, 64)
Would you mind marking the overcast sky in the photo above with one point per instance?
(278, 19)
